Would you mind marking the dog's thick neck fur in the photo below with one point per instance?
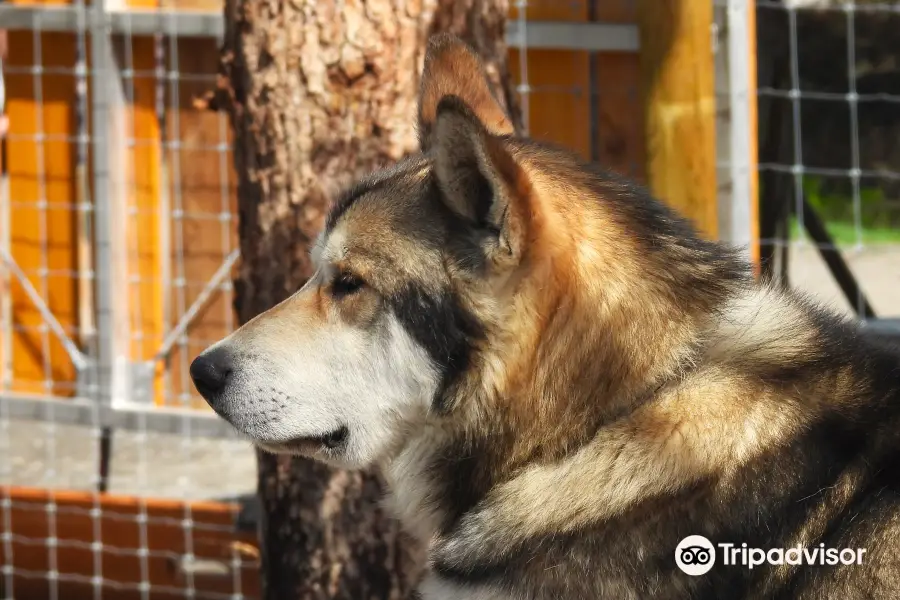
(594, 294)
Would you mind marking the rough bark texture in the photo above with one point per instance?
(320, 92)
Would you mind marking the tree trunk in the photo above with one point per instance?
(319, 92)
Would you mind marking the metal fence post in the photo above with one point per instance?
(111, 373)
(734, 41)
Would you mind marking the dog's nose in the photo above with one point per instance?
(210, 372)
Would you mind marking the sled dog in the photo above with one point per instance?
(561, 380)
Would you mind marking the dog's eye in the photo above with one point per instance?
(345, 284)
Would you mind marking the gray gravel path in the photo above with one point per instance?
(143, 463)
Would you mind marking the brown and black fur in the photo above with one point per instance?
(610, 382)
(831, 473)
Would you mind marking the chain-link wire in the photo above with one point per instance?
(830, 93)
(169, 526)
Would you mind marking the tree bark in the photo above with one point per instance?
(319, 92)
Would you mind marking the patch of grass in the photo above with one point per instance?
(844, 233)
(880, 218)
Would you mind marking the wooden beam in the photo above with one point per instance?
(677, 76)
(754, 137)
(40, 164)
(619, 143)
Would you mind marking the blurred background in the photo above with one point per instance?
(774, 124)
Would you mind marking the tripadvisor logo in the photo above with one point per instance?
(696, 555)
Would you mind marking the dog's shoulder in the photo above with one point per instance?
(782, 391)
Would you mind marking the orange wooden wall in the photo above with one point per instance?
(195, 176)
(42, 170)
(204, 175)
(560, 103)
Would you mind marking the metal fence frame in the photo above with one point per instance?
(109, 387)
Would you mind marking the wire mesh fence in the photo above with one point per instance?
(828, 155)
(118, 246)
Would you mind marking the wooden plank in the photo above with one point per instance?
(615, 11)
(620, 127)
(558, 103)
(143, 202)
(677, 74)
(754, 138)
(141, 541)
(203, 183)
(41, 161)
(5, 276)
(620, 131)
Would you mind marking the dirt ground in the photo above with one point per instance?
(150, 464)
(877, 269)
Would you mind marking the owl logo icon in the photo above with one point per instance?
(695, 555)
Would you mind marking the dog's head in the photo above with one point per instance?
(345, 368)
(486, 269)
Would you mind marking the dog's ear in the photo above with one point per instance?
(452, 68)
(480, 179)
